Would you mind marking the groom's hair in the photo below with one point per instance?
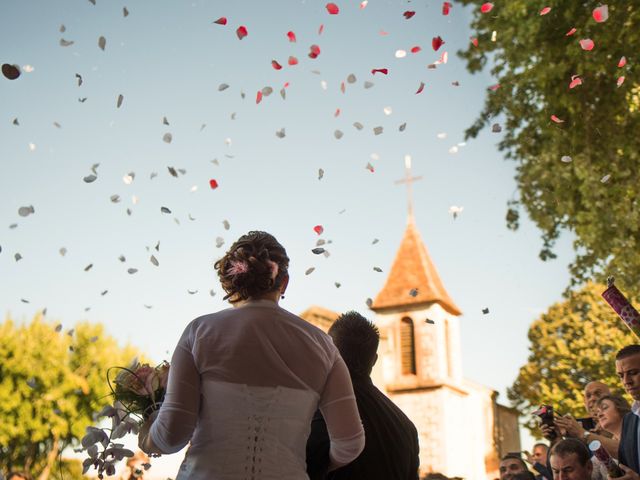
(357, 340)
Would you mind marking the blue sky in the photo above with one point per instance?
(168, 59)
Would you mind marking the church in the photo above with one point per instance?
(463, 431)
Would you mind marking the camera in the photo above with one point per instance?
(545, 412)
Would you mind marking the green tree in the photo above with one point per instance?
(51, 384)
(594, 191)
(574, 343)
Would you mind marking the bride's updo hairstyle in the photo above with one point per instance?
(255, 264)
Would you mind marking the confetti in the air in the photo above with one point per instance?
(314, 51)
(62, 251)
(90, 178)
(66, 43)
(387, 110)
(241, 32)
(622, 62)
(318, 229)
(415, 49)
(601, 14)
(332, 8)
(575, 81)
(446, 8)
(276, 65)
(486, 7)
(620, 81)
(437, 42)
(213, 184)
(570, 32)
(363, 4)
(292, 60)
(384, 71)
(221, 21)
(420, 88)
(556, 119)
(587, 44)
(291, 36)
(408, 14)
(545, 10)
(370, 167)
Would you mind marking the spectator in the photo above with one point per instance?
(628, 370)
(19, 476)
(570, 460)
(391, 440)
(611, 411)
(510, 465)
(538, 459)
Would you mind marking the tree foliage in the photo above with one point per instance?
(533, 59)
(574, 343)
(51, 384)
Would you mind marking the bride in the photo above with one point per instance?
(245, 382)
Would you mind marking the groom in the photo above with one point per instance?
(391, 440)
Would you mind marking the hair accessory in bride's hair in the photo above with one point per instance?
(274, 269)
(238, 267)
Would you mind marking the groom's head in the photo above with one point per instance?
(357, 340)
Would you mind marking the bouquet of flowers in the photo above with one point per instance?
(137, 391)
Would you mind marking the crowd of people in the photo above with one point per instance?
(613, 425)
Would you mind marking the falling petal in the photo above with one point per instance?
(102, 43)
(401, 53)
(545, 10)
(408, 14)
(495, 87)
(496, 128)
(556, 119)
(605, 179)
(363, 4)
(566, 159)
(258, 97)
(222, 87)
(241, 32)
(213, 184)
(436, 43)
(377, 130)
(154, 260)
(358, 125)
(587, 44)
(320, 29)
(11, 72)
(66, 43)
(120, 100)
(486, 7)
(601, 14)
(291, 36)
(292, 60)
(338, 134)
(276, 65)
(320, 173)
(620, 81)
(370, 167)
(90, 178)
(318, 251)
(125, 12)
(309, 271)
(622, 62)
(332, 8)
(167, 138)
(420, 88)
(474, 41)
(446, 8)
(575, 81)
(280, 133)
(165, 210)
(314, 51)
(319, 229)
(384, 71)
(131, 271)
(221, 21)
(26, 211)
(570, 32)
(415, 49)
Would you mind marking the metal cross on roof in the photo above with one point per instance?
(408, 179)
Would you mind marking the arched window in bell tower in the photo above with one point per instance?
(407, 347)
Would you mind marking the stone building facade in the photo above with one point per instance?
(462, 429)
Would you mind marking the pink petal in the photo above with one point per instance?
(318, 229)
(383, 33)
(293, 60)
(370, 168)
(556, 119)
(587, 44)
(415, 49)
(380, 70)
(570, 32)
(337, 112)
(258, 97)
(321, 29)
(292, 36)
(446, 8)
(241, 32)
(575, 81)
(601, 13)
(332, 8)
(342, 88)
(436, 43)
(474, 41)
(420, 88)
(221, 21)
(276, 65)
(486, 7)
(213, 184)
(545, 10)
(620, 81)
(622, 62)
(495, 87)
(408, 14)
(363, 4)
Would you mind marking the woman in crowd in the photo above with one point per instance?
(245, 382)
(611, 411)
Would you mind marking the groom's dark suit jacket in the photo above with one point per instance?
(628, 449)
(391, 441)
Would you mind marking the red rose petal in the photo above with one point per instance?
(622, 62)
(415, 49)
(556, 119)
(601, 13)
(336, 113)
(486, 7)
(332, 8)
(408, 14)
(420, 88)
(474, 41)
(587, 44)
(380, 70)
(575, 81)
(314, 51)
(321, 29)
(570, 32)
(495, 87)
(620, 81)
(318, 229)
(286, 84)
(436, 43)
(276, 65)
(258, 97)
(446, 8)
(293, 60)
(213, 184)
(221, 21)
(292, 36)
(545, 10)
(241, 32)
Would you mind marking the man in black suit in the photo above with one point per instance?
(391, 440)
(628, 370)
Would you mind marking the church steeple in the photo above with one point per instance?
(413, 281)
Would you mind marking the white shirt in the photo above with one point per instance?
(243, 386)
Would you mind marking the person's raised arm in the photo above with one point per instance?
(339, 409)
(171, 429)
